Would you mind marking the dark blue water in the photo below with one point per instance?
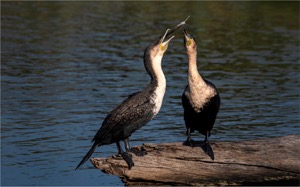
(65, 65)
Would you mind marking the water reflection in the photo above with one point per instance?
(64, 65)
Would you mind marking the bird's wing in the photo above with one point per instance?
(185, 98)
(127, 117)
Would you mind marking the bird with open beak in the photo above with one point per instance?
(139, 108)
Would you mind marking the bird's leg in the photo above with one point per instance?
(207, 148)
(125, 155)
(189, 141)
(135, 151)
(127, 146)
(119, 147)
(206, 137)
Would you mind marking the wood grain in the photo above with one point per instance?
(273, 161)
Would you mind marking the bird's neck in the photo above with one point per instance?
(157, 75)
(199, 91)
(158, 81)
(153, 68)
(194, 76)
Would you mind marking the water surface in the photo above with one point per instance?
(65, 65)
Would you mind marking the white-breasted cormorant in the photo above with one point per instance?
(200, 99)
(139, 108)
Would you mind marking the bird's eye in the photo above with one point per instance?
(163, 47)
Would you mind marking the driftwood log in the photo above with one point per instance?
(273, 161)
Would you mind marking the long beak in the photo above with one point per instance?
(164, 36)
(178, 26)
(186, 34)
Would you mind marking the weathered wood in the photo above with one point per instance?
(274, 161)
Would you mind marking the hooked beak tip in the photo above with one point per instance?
(186, 19)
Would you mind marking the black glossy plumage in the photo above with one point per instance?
(133, 113)
(130, 115)
(139, 108)
(200, 99)
(203, 120)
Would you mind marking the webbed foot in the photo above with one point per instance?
(206, 146)
(128, 158)
(134, 150)
(137, 152)
(208, 150)
(189, 142)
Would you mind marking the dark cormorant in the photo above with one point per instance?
(139, 108)
(200, 99)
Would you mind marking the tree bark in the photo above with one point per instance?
(273, 161)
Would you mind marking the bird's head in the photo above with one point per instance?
(163, 41)
(159, 47)
(189, 42)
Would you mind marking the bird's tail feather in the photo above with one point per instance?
(87, 156)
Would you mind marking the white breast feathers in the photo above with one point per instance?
(199, 95)
(157, 98)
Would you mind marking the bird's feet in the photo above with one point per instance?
(208, 150)
(128, 158)
(137, 152)
(189, 142)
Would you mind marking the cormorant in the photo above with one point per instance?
(139, 108)
(200, 99)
